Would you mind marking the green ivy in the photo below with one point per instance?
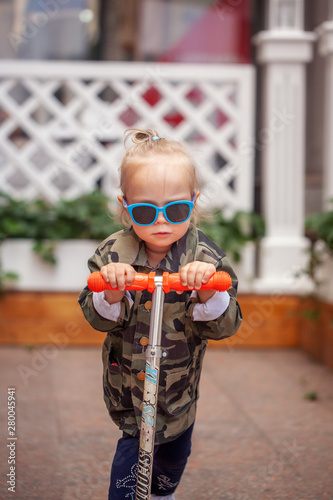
(232, 233)
(86, 217)
(318, 226)
(89, 217)
(5, 277)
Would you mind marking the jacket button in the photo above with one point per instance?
(141, 376)
(148, 305)
(144, 341)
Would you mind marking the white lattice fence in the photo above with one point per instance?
(62, 124)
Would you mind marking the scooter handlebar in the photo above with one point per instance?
(220, 281)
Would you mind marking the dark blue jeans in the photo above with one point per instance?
(169, 464)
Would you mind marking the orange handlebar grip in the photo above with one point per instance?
(220, 281)
(96, 282)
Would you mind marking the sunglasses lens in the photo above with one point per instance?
(178, 212)
(143, 215)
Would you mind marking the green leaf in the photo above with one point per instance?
(319, 226)
(231, 234)
(46, 251)
(311, 396)
(6, 276)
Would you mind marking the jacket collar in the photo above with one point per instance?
(133, 252)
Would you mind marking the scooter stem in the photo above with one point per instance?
(150, 394)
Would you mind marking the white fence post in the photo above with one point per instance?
(283, 54)
(325, 32)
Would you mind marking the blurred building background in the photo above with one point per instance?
(199, 31)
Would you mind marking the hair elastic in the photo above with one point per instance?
(155, 138)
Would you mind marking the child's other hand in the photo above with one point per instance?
(195, 274)
(119, 276)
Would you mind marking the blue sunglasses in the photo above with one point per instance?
(145, 214)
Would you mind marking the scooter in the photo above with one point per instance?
(158, 286)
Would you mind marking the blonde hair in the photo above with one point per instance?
(146, 144)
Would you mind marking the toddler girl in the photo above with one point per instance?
(159, 194)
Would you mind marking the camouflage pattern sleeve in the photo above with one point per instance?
(85, 299)
(227, 323)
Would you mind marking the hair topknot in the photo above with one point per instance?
(139, 136)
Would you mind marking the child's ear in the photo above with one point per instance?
(120, 199)
(197, 194)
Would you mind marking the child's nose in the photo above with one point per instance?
(160, 218)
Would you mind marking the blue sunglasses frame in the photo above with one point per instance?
(130, 209)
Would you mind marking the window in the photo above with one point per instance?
(48, 29)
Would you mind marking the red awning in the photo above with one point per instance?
(221, 35)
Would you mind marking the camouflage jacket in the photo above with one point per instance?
(184, 340)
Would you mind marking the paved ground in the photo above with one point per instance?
(256, 437)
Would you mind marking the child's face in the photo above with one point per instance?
(159, 182)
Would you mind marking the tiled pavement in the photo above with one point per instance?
(256, 437)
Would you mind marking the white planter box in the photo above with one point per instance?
(68, 275)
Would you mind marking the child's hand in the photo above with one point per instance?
(195, 274)
(119, 276)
